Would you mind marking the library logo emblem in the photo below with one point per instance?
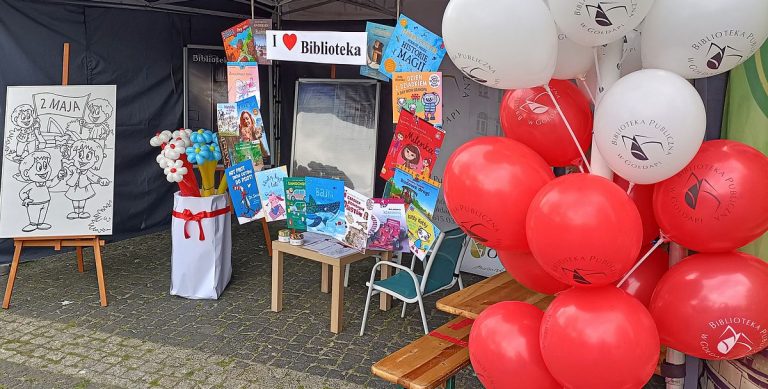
(717, 55)
(532, 105)
(581, 276)
(601, 10)
(637, 145)
(731, 339)
(474, 74)
(698, 188)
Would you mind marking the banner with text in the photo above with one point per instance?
(344, 48)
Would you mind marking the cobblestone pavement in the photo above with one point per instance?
(57, 335)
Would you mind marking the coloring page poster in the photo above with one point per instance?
(58, 161)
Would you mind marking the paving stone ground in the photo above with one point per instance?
(57, 335)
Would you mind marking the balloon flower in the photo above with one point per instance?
(173, 160)
(205, 153)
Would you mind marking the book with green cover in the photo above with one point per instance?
(296, 202)
(249, 151)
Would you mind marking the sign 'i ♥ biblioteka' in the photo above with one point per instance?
(346, 48)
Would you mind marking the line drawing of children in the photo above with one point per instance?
(35, 169)
(411, 156)
(85, 156)
(27, 128)
(97, 113)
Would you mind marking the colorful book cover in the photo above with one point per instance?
(325, 207)
(272, 192)
(296, 202)
(247, 41)
(378, 38)
(243, 81)
(416, 192)
(422, 233)
(248, 151)
(412, 48)
(250, 123)
(241, 180)
(420, 93)
(226, 119)
(415, 145)
(356, 217)
(387, 228)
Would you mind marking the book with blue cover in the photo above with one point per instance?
(244, 191)
(412, 48)
(378, 38)
(417, 192)
(325, 207)
(251, 125)
(272, 192)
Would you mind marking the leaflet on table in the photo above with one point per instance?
(243, 81)
(325, 206)
(420, 93)
(415, 145)
(417, 192)
(422, 233)
(356, 217)
(331, 248)
(247, 41)
(272, 192)
(250, 123)
(412, 48)
(378, 38)
(296, 203)
(243, 190)
(387, 228)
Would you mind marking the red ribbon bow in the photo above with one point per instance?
(188, 216)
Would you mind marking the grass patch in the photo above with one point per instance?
(82, 384)
(224, 363)
(154, 382)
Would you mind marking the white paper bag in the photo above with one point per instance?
(201, 259)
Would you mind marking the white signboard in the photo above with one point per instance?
(344, 48)
(58, 161)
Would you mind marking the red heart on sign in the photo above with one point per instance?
(289, 40)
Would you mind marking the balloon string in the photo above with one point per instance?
(589, 91)
(570, 130)
(597, 71)
(630, 187)
(581, 169)
(661, 241)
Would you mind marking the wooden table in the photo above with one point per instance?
(332, 273)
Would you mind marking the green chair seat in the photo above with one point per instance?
(402, 284)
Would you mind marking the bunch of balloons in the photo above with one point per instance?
(580, 234)
(205, 152)
(173, 159)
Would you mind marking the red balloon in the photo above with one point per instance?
(530, 116)
(642, 196)
(584, 230)
(599, 338)
(642, 281)
(489, 183)
(524, 268)
(718, 202)
(712, 306)
(504, 347)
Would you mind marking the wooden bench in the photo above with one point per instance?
(430, 361)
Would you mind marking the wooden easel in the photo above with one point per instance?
(57, 242)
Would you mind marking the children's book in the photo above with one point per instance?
(248, 151)
(243, 81)
(412, 48)
(387, 228)
(250, 123)
(416, 192)
(325, 207)
(296, 202)
(415, 145)
(272, 192)
(241, 180)
(356, 217)
(228, 130)
(420, 93)
(378, 37)
(247, 41)
(422, 233)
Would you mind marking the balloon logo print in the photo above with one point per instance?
(601, 14)
(720, 53)
(732, 340)
(700, 185)
(636, 146)
(534, 107)
(579, 276)
(474, 77)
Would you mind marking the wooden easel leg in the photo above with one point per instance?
(267, 238)
(12, 275)
(80, 266)
(100, 271)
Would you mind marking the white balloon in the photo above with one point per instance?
(702, 38)
(501, 43)
(597, 22)
(649, 125)
(573, 59)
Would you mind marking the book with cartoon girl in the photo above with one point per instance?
(272, 192)
(415, 145)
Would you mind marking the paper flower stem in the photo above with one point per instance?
(193, 188)
(222, 185)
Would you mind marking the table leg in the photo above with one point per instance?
(385, 300)
(80, 266)
(277, 280)
(100, 272)
(325, 278)
(12, 274)
(337, 299)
